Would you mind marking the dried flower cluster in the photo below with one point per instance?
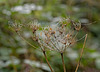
(15, 26)
(56, 37)
(34, 26)
(59, 36)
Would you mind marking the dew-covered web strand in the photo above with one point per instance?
(91, 22)
(81, 37)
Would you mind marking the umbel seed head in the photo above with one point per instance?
(58, 37)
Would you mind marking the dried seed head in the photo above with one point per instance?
(34, 26)
(15, 26)
(35, 38)
(77, 25)
(57, 37)
(34, 30)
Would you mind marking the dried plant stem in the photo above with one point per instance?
(63, 62)
(81, 54)
(25, 40)
(47, 61)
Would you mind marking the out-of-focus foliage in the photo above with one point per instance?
(17, 56)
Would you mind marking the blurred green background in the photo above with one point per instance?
(17, 56)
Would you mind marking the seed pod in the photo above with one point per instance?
(36, 38)
(50, 29)
(53, 32)
(34, 30)
(77, 26)
(60, 31)
(17, 29)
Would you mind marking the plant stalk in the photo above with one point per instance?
(47, 61)
(81, 54)
(63, 62)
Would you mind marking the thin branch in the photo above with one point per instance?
(25, 40)
(47, 61)
(81, 54)
(63, 62)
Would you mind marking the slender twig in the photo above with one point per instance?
(81, 54)
(25, 40)
(63, 62)
(47, 61)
